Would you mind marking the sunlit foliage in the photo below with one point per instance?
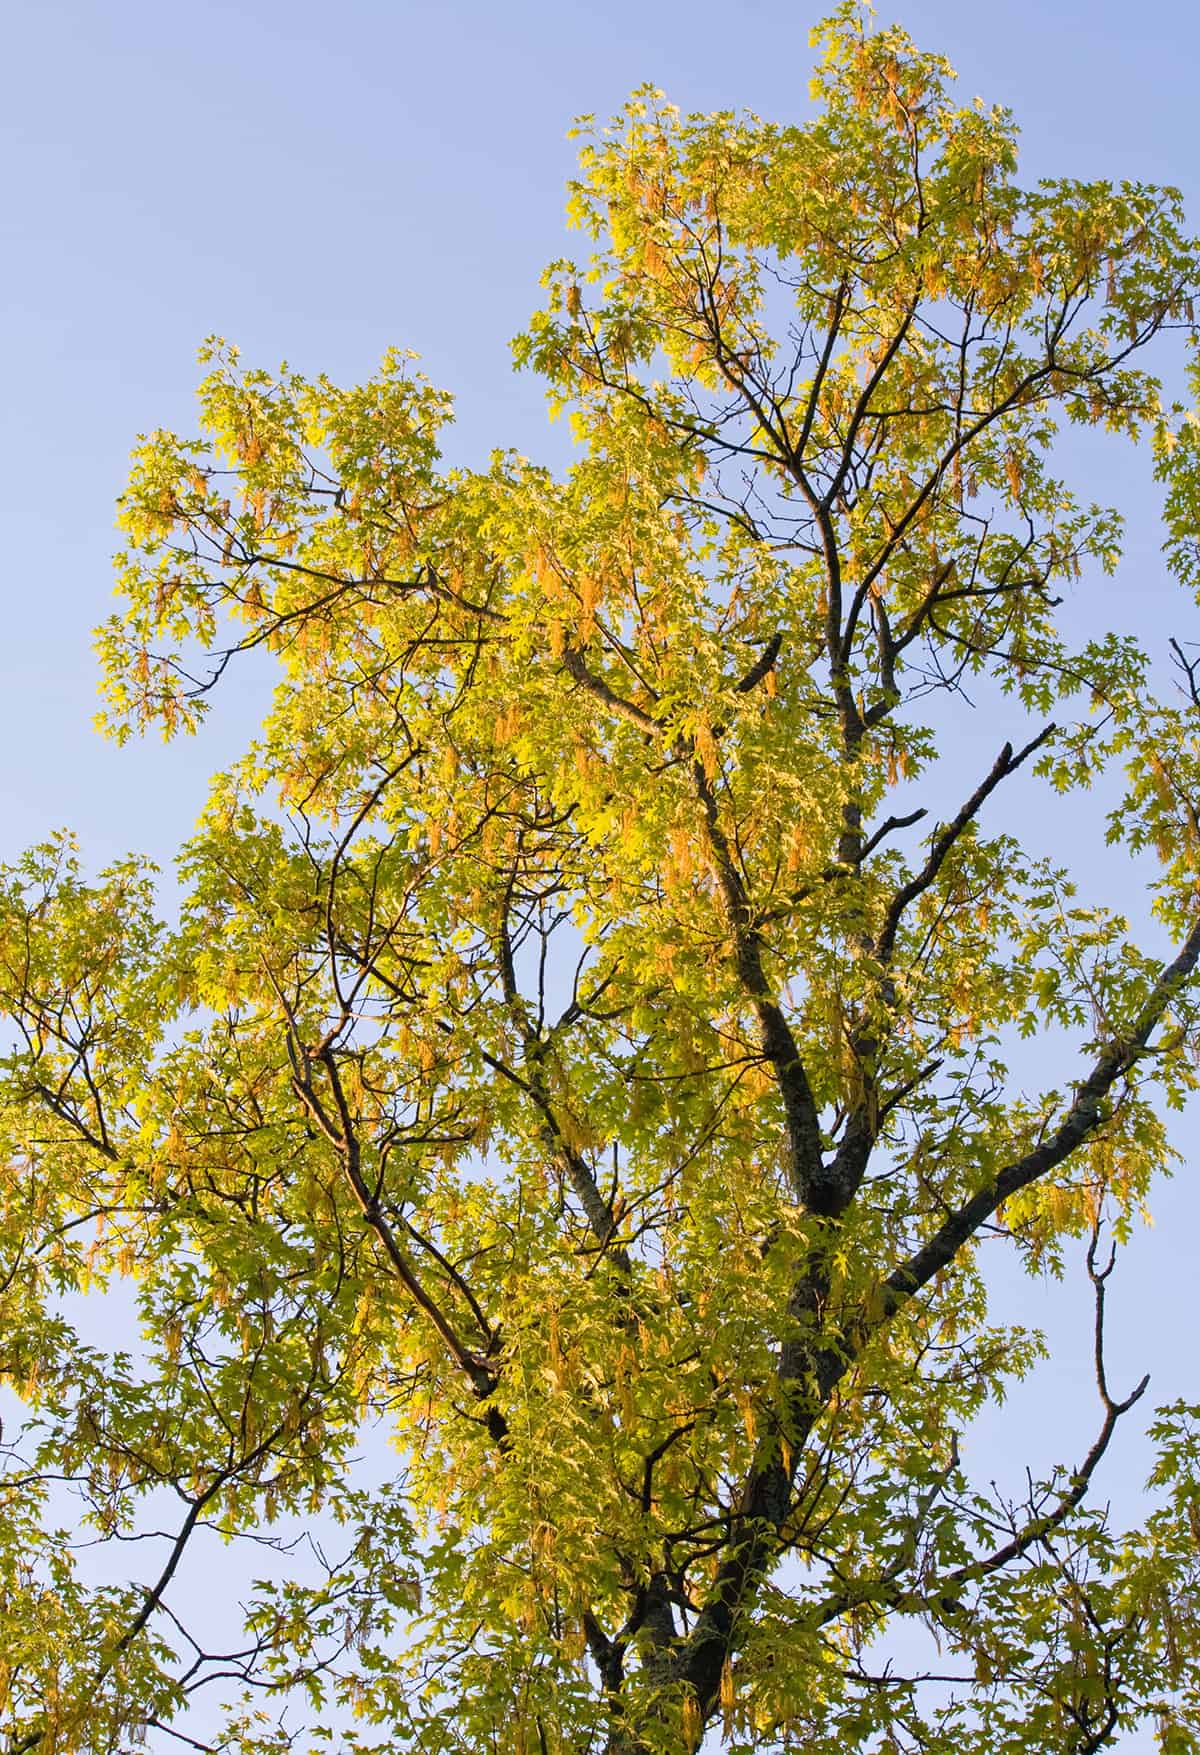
(580, 1055)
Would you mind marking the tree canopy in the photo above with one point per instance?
(580, 1056)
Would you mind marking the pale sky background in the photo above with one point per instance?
(318, 182)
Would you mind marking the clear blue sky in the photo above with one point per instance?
(317, 182)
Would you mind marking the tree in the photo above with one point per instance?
(580, 1054)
